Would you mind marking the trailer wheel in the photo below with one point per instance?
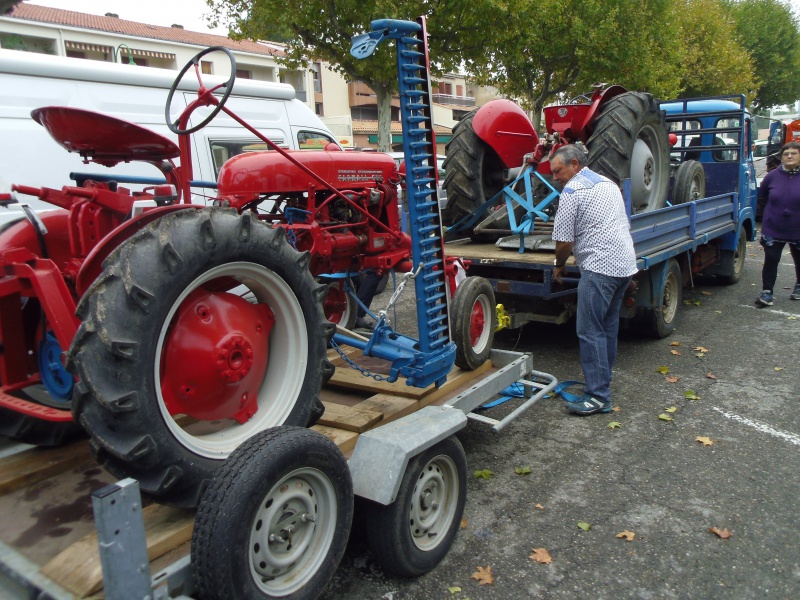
(412, 535)
(340, 307)
(275, 520)
(733, 260)
(173, 353)
(690, 182)
(473, 171)
(660, 322)
(473, 321)
(630, 140)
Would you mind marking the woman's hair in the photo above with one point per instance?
(790, 145)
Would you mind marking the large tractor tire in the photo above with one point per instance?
(630, 140)
(204, 328)
(473, 171)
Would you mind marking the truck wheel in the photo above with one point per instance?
(690, 182)
(412, 535)
(275, 520)
(473, 171)
(630, 140)
(173, 353)
(660, 322)
(733, 261)
(473, 320)
(340, 307)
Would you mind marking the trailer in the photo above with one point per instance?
(703, 229)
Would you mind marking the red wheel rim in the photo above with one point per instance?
(477, 322)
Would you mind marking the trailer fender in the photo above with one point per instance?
(506, 128)
(382, 454)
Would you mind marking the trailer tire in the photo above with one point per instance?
(732, 261)
(282, 477)
(660, 322)
(473, 322)
(690, 182)
(630, 139)
(473, 170)
(413, 534)
(138, 380)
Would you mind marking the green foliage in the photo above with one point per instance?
(483, 474)
(770, 32)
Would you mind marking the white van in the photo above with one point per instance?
(29, 156)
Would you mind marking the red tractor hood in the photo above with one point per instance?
(269, 172)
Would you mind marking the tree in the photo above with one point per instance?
(770, 32)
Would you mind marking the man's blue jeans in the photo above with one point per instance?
(599, 303)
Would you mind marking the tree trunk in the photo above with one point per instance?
(384, 100)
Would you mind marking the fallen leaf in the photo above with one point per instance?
(522, 470)
(542, 556)
(706, 441)
(628, 535)
(464, 524)
(484, 473)
(484, 576)
(700, 349)
(705, 293)
(664, 417)
(615, 409)
(722, 533)
(672, 378)
(663, 370)
(779, 368)
(671, 409)
(539, 506)
(454, 590)
(719, 312)
(676, 352)
(792, 318)
(690, 395)
(675, 344)
(614, 425)
(700, 354)
(711, 375)
(585, 526)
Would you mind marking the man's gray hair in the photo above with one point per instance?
(571, 151)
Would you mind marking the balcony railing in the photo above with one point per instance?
(450, 99)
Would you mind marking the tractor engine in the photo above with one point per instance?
(354, 226)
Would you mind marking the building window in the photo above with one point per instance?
(459, 90)
(317, 77)
(318, 109)
(244, 74)
(446, 88)
(206, 67)
(76, 54)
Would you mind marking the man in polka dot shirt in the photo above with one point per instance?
(591, 224)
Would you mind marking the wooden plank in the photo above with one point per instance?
(352, 379)
(349, 418)
(78, 568)
(392, 407)
(487, 252)
(345, 440)
(336, 359)
(31, 466)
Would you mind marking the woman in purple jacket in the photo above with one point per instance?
(779, 195)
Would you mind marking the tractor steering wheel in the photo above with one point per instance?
(228, 85)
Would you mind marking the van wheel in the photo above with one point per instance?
(733, 260)
(660, 322)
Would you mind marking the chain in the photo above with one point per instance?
(358, 367)
(411, 275)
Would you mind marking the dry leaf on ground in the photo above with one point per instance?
(484, 576)
(700, 349)
(676, 352)
(464, 524)
(628, 535)
(541, 555)
(675, 344)
(721, 533)
(706, 441)
(672, 378)
(539, 506)
(711, 375)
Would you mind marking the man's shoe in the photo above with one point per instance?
(765, 299)
(588, 406)
(365, 323)
(796, 293)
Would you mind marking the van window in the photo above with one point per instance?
(728, 139)
(312, 140)
(223, 150)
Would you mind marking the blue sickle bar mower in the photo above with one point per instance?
(430, 359)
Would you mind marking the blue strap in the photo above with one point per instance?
(517, 390)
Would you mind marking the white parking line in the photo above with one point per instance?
(771, 310)
(789, 437)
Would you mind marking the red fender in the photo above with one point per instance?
(574, 122)
(507, 129)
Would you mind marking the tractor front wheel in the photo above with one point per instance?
(204, 328)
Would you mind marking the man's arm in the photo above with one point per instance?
(563, 250)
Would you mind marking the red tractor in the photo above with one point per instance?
(197, 326)
(625, 133)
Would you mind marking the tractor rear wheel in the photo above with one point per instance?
(630, 140)
(473, 171)
(173, 353)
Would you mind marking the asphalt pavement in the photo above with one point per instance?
(648, 476)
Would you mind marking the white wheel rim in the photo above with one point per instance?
(292, 532)
(646, 181)
(670, 304)
(285, 373)
(434, 503)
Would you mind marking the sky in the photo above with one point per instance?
(189, 13)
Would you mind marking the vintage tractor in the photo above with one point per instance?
(199, 326)
(625, 134)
